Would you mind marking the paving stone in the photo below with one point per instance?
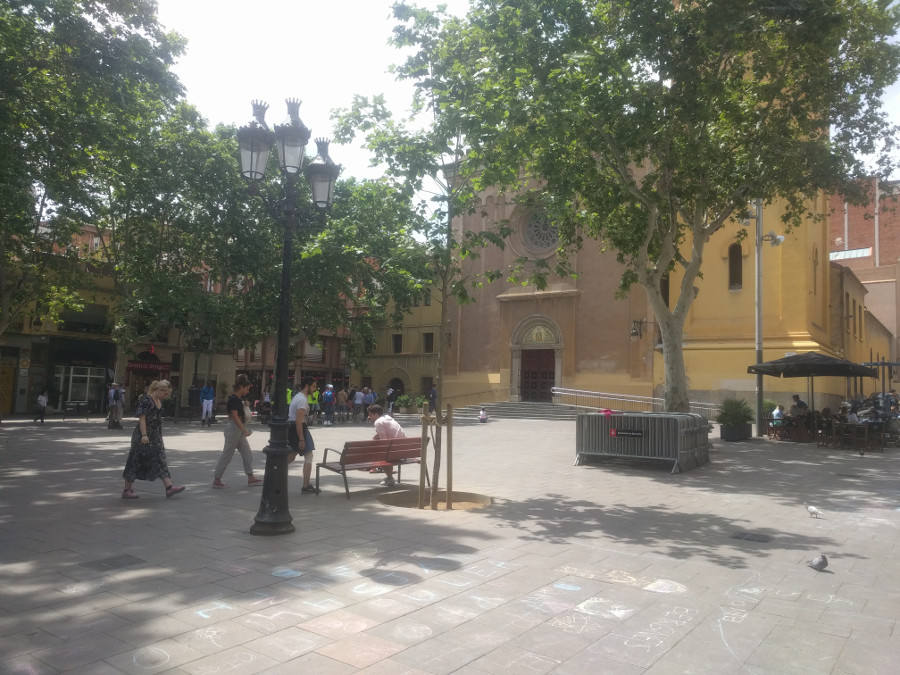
(627, 570)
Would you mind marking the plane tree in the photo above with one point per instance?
(421, 154)
(75, 76)
(648, 125)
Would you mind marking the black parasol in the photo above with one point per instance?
(811, 364)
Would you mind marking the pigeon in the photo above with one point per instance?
(813, 511)
(819, 563)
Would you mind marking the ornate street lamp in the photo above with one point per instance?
(255, 142)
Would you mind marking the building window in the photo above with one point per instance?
(428, 299)
(397, 343)
(427, 384)
(369, 346)
(815, 279)
(428, 343)
(853, 317)
(90, 319)
(416, 301)
(735, 267)
(847, 315)
(540, 234)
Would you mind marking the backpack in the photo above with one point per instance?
(117, 395)
(328, 397)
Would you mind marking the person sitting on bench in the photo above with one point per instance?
(386, 427)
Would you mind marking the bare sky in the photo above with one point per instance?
(320, 52)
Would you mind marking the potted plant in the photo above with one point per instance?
(403, 403)
(735, 416)
(420, 402)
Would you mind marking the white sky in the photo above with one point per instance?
(238, 52)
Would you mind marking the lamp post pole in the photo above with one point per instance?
(256, 141)
(774, 240)
(760, 414)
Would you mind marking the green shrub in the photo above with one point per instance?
(768, 406)
(403, 401)
(735, 411)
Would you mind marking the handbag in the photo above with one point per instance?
(248, 414)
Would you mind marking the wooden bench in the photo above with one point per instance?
(395, 452)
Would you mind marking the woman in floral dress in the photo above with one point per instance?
(147, 456)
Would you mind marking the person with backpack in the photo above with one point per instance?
(328, 402)
(115, 406)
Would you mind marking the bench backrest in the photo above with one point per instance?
(393, 449)
(355, 452)
(404, 448)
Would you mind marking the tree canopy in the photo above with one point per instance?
(650, 124)
(77, 78)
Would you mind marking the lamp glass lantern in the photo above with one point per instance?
(255, 144)
(322, 175)
(291, 140)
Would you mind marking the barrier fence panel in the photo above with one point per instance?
(682, 438)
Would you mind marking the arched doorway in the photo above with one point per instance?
(538, 374)
(536, 360)
(398, 386)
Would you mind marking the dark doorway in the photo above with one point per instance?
(538, 372)
(397, 385)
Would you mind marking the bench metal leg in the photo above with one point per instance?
(346, 486)
(317, 480)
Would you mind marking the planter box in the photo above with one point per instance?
(735, 432)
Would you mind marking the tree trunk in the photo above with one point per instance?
(677, 399)
(445, 288)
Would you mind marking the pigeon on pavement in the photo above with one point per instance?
(813, 511)
(819, 563)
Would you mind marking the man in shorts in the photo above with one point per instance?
(300, 440)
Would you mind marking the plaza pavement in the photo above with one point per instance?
(607, 568)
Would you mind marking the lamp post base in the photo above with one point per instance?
(274, 516)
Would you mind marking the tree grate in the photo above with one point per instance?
(750, 536)
(112, 563)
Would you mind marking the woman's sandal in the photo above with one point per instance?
(130, 494)
(172, 490)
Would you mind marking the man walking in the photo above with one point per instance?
(358, 404)
(299, 438)
(207, 398)
(328, 402)
(115, 406)
(368, 399)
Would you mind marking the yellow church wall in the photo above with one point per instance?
(797, 311)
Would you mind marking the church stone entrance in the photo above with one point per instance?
(538, 374)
